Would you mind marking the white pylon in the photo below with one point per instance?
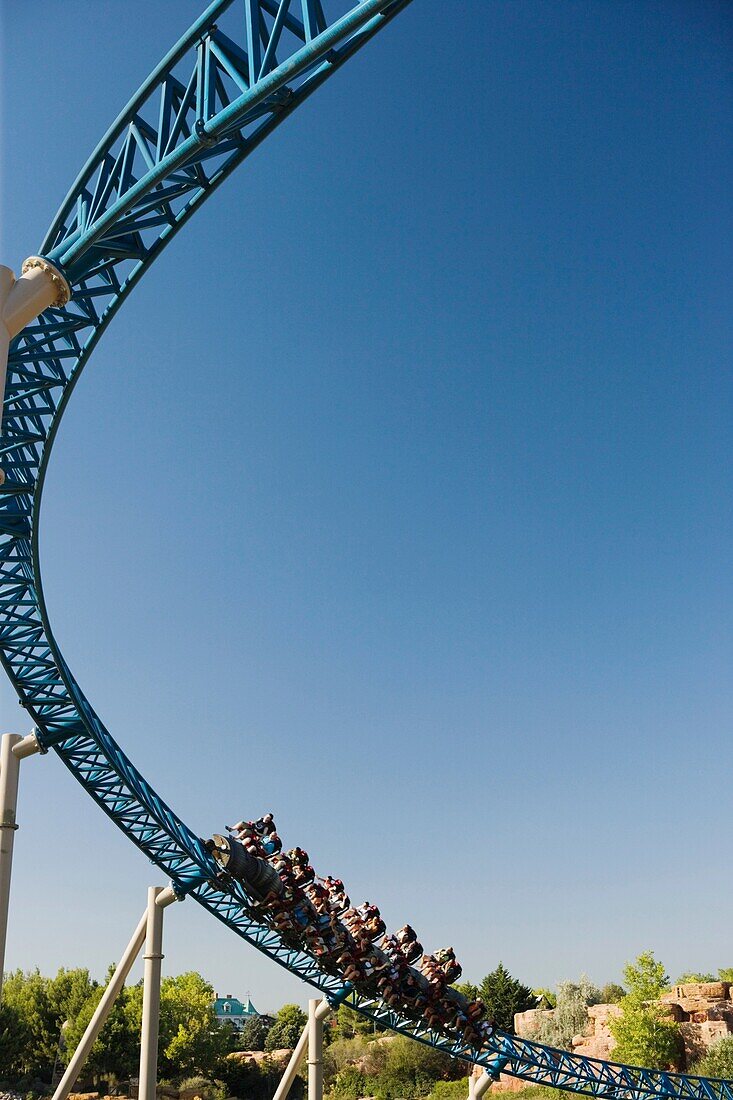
(477, 1086)
(158, 898)
(13, 748)
(163, 896)
(21, 300)
(317, 1011)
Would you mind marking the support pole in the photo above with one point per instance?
(158, 898)
(477, 1086)
(102, 1010)
(21, 300)
(481, 1085)
(321, 1011)
(13, 748)
(315, 1052)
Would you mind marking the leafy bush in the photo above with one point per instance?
(349, 1083)
(718, 1062)
(255, 1082)
(570, 1016)
(450, 1090)
(612, 993)
(346, 1052)
(694, 976)
(205, 1088)
(411, 1070)
(539, 1092)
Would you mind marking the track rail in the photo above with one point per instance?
(239, 71)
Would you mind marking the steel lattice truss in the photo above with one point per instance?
(240, 70)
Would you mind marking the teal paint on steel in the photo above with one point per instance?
(240, 70)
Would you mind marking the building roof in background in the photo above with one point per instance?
(232, 1006)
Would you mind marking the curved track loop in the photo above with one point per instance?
(238, 72)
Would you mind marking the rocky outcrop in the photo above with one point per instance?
(257, 1057)
(704, 1011)
(527, 1024)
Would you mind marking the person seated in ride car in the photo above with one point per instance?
(270, 844)
(410, 946)
(265, 825)
(304, 873)
(339, 900)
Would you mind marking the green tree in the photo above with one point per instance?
(545, 998)
(41, 1008)
(68, 992)
(718, 1062)
(348, 1023)
(612, 993)
(254, 1033)
(503, 996)
(468, 989)
(285, 1032)
(192, 1040)
(694, 976)
(14, 1040)
(644, 1037)
(646, 979)
(726, 974)
(114, 1054)
(27, 995)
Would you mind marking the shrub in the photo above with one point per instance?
(612, 993)
(345, 1052)
(253, 1082)
(411, 1070)
(349, 1083)
(718, 1062)
(205, 1088)
(450, 1090)
(570, 1016)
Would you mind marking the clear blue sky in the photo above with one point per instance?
(397, 498)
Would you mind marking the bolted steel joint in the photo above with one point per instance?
(201, 133)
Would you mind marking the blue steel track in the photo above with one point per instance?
(240, 70)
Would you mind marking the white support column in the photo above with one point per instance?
(315, 1052)
(321, 1011)
(158, 898)
(13, 748)
(477, 1086)
(21, 300)
(102, 1010)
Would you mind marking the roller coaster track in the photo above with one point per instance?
(240, 70)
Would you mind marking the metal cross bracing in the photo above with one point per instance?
(240, 70)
